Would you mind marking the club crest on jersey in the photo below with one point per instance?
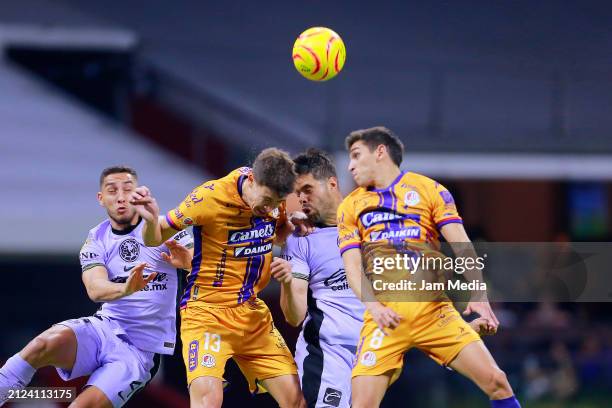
(129, 250)
(264, 230)
(411, 198)
(376, 217)
(246, 251)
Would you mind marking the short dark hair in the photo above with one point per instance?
(376, 136)
(316, 162)
(117, 169)
(273, 168)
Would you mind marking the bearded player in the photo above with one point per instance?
(235, 219)
(120, 345)
(411, 208)
(314, 289)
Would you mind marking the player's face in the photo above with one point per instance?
(264, 200)
(114, 194)
(314, 197)
(363, 164)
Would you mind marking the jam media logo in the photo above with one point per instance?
(264, 230)
(129, 250)
(246, 251)
(332, 397)
(193, 355)
(376, 217)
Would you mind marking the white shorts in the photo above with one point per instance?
(117, 367)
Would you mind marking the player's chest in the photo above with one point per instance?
(400, 204)
(240, 227)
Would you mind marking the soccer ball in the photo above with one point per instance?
(319, 54)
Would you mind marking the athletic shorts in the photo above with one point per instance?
(213, 334)
(325, 372)
(435, 328)
(117, 367)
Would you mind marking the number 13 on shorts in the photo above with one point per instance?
(209, 342)
(212, 340)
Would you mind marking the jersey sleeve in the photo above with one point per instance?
(195, 209)
(184, 238)
(444, 210)
(296, 252)
(91, 254)
(348, 230)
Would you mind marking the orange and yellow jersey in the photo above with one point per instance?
(232, 247)
(412, 209)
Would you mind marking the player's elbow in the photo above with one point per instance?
(294, 318)
(294, 321)
(94, 296)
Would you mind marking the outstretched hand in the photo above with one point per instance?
(180, 257)
(136, 281)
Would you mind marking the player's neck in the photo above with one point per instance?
(386, 176)
(121, 227)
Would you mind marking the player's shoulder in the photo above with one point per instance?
(227, 184)
(353, 196)
(421, 181)
(98, 232)
(421, 178)
(235, 174)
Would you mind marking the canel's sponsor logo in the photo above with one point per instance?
(376, 217)
(246, 251)
(263, 231)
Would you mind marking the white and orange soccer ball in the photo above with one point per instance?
(319, 54)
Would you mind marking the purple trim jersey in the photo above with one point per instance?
(147, 318)
(334, 311)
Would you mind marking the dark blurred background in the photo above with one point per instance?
(509, 104)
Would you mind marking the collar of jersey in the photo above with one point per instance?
(127, 230)
(378, 190)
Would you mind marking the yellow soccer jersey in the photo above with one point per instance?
(232, 247)
(412, 209)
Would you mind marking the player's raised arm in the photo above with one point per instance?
(101, 289)
(156, 229)
(458, 239)
(293, 291)
(292, 271)
(349, 242)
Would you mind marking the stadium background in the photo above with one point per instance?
(507, 103)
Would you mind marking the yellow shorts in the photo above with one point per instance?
(212, 334)
(436, 328)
